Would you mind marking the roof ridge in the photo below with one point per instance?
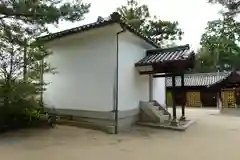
(206, 74)
(115, 17)
(175, 48)
(209, 73)
(74, 28)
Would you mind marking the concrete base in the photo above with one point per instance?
(230, 111)
(182, 126)
(182, 118)
(104, 121)
(174, 123)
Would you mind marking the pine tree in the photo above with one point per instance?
(21, 55)
(220, 45)
(233, 6)
(163, 32)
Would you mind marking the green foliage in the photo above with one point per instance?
(20, 113)
(22, 62)
(220, 46)
(43, 12)
(163, 32)
(233, 6)
(32, 115)
(134, 14)
(19, 104)
(204, 61)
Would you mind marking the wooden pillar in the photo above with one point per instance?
(183, 118)
(150, 87)
(174, 112)
(235, 98)
(219, 100)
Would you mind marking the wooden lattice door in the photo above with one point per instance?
(229, 99)
(194, 99)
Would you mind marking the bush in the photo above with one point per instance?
(19, 115)
(19, 108)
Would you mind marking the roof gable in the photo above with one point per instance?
(113, 18)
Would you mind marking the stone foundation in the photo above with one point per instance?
(104, 121)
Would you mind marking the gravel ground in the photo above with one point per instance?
(213, 136)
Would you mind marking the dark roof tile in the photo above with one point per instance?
(198, 79)
(169, 54)
(113, 18)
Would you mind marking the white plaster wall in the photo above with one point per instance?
(85, 63)
(159, 90)
(133, 87)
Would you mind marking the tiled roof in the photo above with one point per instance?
(102, 22)
(198, 79)
(169, 54)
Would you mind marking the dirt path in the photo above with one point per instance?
(213, 136)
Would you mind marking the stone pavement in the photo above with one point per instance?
(213, 136)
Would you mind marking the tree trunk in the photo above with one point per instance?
(6, 92)
(25, 61)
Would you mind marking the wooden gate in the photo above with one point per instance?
(229, 99)
(209, 99)
(194, 99)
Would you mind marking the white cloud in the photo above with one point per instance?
(192, 15)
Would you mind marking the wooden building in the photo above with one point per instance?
(106, 69)
(201, 89)
(169, 63)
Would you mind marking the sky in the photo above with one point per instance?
(192, 15)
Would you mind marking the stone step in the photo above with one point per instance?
(164, 118)
(153, 113)
(161, 112)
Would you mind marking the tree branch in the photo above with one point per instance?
(234, 6)
(7, 12)
(4, 17)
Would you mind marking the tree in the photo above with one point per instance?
(233, 6)
(204, 61)
(43, 12)
(134, 14)
(220, 45)
(21, 55)
(139, 17)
